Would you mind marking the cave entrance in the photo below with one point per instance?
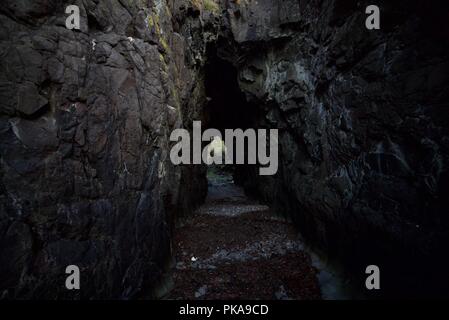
(220, 249)
(232, 247)
(226, 108)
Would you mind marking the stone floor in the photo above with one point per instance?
(234, 248)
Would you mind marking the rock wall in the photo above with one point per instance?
(364, 139)
(85, 119)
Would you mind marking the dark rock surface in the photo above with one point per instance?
(363, 129)
(85, 119)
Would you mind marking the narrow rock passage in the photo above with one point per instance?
(234, 248)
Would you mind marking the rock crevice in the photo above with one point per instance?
(86, 115)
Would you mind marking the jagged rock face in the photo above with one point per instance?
(363, 128)
(85, 119)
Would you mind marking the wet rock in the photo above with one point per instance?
(85, 119)
(29, 100)
(250, 256)
(354, 174)
(85, 173)
(201, 292)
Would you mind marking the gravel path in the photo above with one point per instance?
(233, 248)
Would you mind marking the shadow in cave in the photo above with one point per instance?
(227, 108)
(220, 249)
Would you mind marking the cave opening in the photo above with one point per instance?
(235, 246)
(226, 108)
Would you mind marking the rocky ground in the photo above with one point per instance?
(234, 248)
(86, 117)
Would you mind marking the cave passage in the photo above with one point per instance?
(227, 108)
(233, 247)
